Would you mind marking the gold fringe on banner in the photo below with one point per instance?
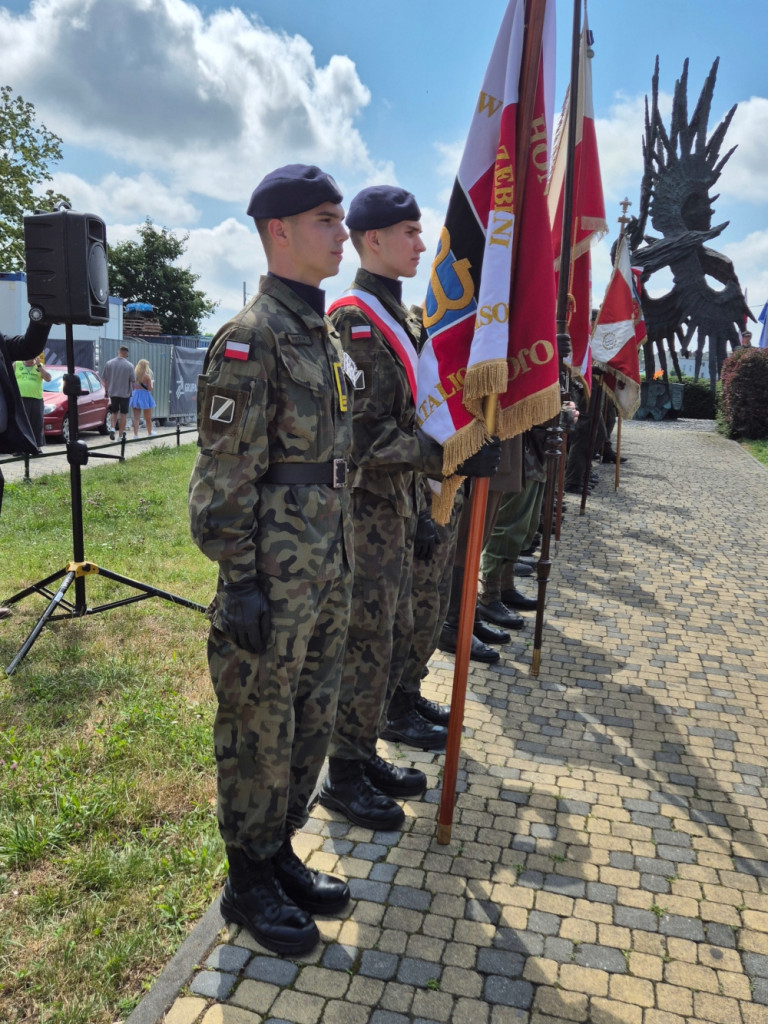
(442, 503)
(529, 412)
(457, 448)
(483, 379)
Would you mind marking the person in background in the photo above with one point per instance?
(141, 399)
(269, 502)
(118, 377)
(30, 374)
(15, 432)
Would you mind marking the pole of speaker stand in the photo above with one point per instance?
(74, 459)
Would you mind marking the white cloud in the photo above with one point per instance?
(750, 260)
(119, 198)
(213, 102)
(744, 175)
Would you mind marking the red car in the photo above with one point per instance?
(92, 404)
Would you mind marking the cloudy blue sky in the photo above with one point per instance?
(174, 110)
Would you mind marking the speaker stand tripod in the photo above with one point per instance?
(78, 570)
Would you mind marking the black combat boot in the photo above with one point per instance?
(440, 714)
(478, 651)
(492, 634)
(313, 891)
(406, 724)
(254, 898)
(394, 781)
(348, 790)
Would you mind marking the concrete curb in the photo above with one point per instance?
(177, 974)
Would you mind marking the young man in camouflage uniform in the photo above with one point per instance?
(269, 503)
(381, 337)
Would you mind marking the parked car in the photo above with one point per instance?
(92, 404)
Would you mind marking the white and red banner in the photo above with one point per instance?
(588, 222)
(615, 336)
(491, 326)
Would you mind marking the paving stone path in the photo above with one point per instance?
(608, 860)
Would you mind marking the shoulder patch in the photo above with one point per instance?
(360, 331)
(355, 376)
(236, 349)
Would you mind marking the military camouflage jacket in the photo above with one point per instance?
(386, 445)
(271, 392)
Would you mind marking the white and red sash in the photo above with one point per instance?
(396, 335)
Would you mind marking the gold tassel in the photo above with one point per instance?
(482, 379)
(530, 412)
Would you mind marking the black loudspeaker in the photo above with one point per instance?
(66, 257)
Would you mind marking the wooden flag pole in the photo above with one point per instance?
(534, 32)
(554, 430)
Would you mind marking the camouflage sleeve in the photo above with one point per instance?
(235, 408)
(384, 434)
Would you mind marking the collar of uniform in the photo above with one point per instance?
(372, 283)
(278, 289)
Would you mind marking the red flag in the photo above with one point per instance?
(487, 334)
(614, 344)
(588, 221)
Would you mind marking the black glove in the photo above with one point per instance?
(244, 615)
(426, 537)
(563, 347)
(484, 462)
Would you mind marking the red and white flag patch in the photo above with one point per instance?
(361, 331)
(236, 350)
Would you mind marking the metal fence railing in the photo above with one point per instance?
(99, 450)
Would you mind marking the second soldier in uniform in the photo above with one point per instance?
(378, 333)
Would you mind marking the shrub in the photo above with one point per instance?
(698, 400)
(745, 393)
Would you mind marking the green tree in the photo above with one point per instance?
(145, 271)
(26, 150)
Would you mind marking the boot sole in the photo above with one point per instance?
(437, 743)
(397, 793)
(313, 907)
(334, 804)
(233, 916)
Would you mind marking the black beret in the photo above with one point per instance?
(381, 206)
(292, 189)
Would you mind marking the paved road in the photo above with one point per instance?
(608, 860)
(54, 457)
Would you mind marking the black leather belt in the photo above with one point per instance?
(332, 474)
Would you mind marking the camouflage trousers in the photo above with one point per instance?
(380, 624)
(276, 712)
(431, 594)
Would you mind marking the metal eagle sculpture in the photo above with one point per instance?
(680, 168)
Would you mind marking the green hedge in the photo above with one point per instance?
(698, 400)
(744, 405)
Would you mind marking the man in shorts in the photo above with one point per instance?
(118, 377)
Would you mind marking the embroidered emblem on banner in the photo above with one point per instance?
(236, 350)
(355, 377)
(222, 409)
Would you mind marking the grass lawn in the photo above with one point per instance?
(109, 850)
(759, 449)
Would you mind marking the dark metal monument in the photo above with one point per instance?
(681, 167)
